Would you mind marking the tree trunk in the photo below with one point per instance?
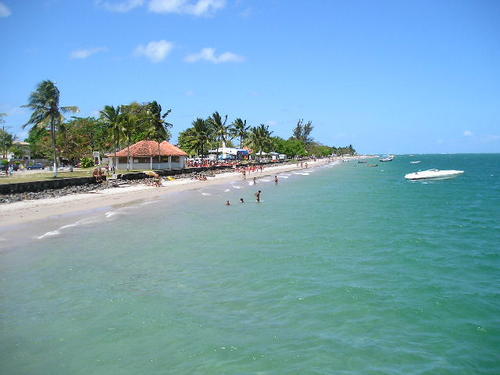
(159, 156)
(128, 155)
(53, 136)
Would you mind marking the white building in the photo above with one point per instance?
(144, 155)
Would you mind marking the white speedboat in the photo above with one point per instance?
(433, 174)
(388, 158)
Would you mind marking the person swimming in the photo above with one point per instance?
(257, 196)
(241, 200)
(228, 203)
(276, 180)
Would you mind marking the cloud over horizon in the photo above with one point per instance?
(4, 10)
(467, 133)
(208, 54)
(84, 53)
(155, 51)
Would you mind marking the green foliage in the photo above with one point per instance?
(6, 140)
(197, 139)
(302, 131)
(318, 149)
(87, 162)
(239, 129)
(47, 113)
(259, 139)
(290, 147)
(346, 150)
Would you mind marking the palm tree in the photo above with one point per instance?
(127, 123)
(112, 118)
(260, 138)
(44, 102)
(159, 128)
(239, 129)
(220, 130)
(200, 136)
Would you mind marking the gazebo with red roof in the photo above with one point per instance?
(144, 155)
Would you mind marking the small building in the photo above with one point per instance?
(144, 155)
(226, 153)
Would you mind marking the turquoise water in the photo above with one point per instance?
(347, 270)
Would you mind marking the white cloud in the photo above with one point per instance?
(467, 133)
(84, 53)
(208, 54)
(120, 6)
(4, 10)
(156, 51)
(194, 7)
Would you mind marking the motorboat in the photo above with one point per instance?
(389, 158)
(433, 174)
(415, 162)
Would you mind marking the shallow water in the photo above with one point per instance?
(346, 270)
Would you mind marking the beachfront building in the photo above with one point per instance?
(144, 155)
(228, 153)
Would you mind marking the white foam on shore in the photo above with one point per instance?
(49, 234)
(283, 176)
(236, 187)
(206, 194)
(227, 190)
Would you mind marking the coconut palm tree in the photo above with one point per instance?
(239, 129)
(127, 123)
(200, 136)
(112, 118)
(260, 138)
(220, 129)
(44, 102)
(159, 127)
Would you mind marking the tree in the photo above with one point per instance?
(44, 102)
(291, 147)
(239, 129)
(111, 117)
(219, 128)
(6, 140)
(198, 138)
(260, 138)
(159, 128)
(302, 131)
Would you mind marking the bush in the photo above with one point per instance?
(87, 162)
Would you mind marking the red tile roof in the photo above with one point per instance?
(150, 148)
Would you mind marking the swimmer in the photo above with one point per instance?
(257, 196)
(228, 203)
(255, 180)
(276, 180)
(241, 200)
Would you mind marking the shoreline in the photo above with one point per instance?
(33, 210)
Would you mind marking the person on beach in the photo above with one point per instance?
(244, 172)
(255, 180)
(241, 200)
(276, 180)
(228, 203)
(257, 196)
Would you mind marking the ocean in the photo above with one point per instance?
(344, 269)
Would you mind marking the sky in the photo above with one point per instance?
(418, 76)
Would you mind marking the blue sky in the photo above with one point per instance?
(387, 76)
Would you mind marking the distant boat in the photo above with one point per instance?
(433, 174)
(415, 162)
(372, 165)
(389, 158)
(361, 162)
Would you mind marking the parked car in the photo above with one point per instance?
(36, 166)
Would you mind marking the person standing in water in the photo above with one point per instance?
(228, 203)
(257, 196)
(276, 180)
(241, 200)
(255, 180)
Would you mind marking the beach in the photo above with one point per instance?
(32, 210)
